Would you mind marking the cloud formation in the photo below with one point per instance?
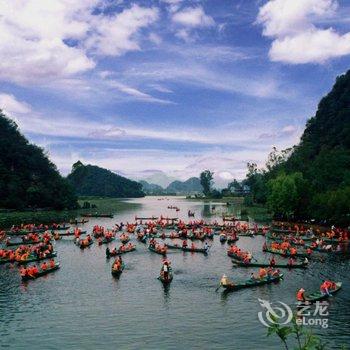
(42, 40)
(296, 37)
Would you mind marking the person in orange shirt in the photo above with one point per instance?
(262, 273)
(52, 263)
(301, 294)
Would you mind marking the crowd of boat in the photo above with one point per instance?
(31, 247)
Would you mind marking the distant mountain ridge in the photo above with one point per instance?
(91, 180)
(190, 186)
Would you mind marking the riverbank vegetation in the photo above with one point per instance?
(28, 179)
(312, 179)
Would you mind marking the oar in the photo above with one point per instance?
(216, 290)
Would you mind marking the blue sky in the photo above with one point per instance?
(147, 88)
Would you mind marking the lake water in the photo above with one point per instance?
(81, 306)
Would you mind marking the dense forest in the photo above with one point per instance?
(27, 177)
(312, 179)
(90, 180)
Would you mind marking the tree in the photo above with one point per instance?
(206, 178)
(28, 179)
(285, 193)
(234, 186)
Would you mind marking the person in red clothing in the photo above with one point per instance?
(44, 266)
(301, 294)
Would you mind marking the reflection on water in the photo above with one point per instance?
(82, 306)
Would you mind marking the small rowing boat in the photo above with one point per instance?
(66, 234)
(12, 244)
(41, 273)
(188, 249)
(166, 280)
(98, 215)
(86, 245)
(154, 250)
(59, 228)
(318, 296)
(230, 286)
(33, 258)
(117, 272)
(263, 264)
(284, 253)
(119, 252)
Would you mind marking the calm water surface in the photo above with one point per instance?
(82, 306)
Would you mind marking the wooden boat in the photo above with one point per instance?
(33, 258)
(106, 240)
(41, 273)
(117, 272)
(120, 252)
(156, 251)
(335, 241)
(24, 232)
(12, 244)
(76, 222)
(318, 296)
(70, 233)
(279, 230)
(251, 283)
(226, 218)
(285, 254)
(125, 240)
(98, 215)
(235, 256)
(169, 279)
(246, 234)
(262, 264)
(289, 239)
(329, 251)
(81, 246)
(59, 228)
(147, 218)
(188, 249)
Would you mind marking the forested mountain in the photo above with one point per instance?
(91, 180)
(312, 180)
(192, 185)
(27, 177)
(152, 189)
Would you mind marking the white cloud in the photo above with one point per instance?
(114, 35)
(137, 94)
(193, 17)
(312, 46)
(42, 40)
(296, 38)
(11, 106)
